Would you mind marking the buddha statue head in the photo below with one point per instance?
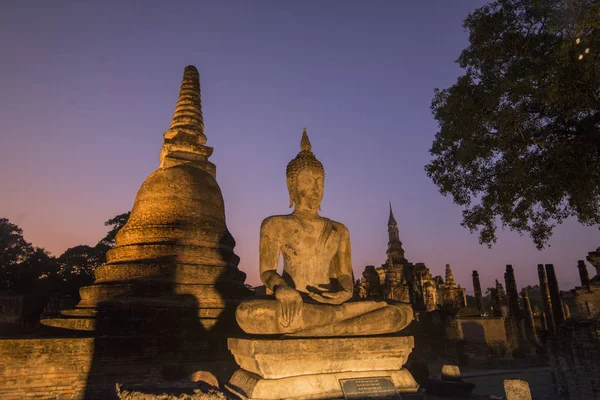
(305, 178)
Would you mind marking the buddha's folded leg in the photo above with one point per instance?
(262, 317)
(389, 319)
(258, 316)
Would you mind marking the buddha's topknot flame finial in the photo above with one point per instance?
(305, 142)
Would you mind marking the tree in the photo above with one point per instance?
(14, 251)
(13, 248)
(116, 223)
(77, 265)
(519, 132)
(22, 266)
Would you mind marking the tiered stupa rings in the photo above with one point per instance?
(175, 252)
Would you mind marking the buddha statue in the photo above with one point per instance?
(311, 295)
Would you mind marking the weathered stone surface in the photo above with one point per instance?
(247, 385)
(594, 258)
(281, 358)
(71, 369)
(573, 356)
(451, 373)
(517, 389)
(312, 293)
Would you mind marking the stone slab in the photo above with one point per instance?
(516, 389)
(284, 358)
(247, 385)
(450, 373)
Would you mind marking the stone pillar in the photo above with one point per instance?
(477, 289)
(557, 307)
(594, 258)
(583, 273)
(550, 325)
(511, 292)
(495, 306)
(529, 322)
(502, 300)
(543, 321)
(566, 311)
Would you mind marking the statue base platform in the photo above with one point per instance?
(311, 368)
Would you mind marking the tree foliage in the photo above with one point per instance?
(76, 266)
(16, 269)
(25, 268)
(116, 224)
(519, 132)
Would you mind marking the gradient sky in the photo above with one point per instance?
(88, 87)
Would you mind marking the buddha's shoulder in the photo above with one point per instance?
(277, 220)
(338, 226)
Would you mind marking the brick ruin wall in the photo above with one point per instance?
(490, 333)
(485, 342)
(44, 368)
(74, 368)
(574, 358)
(476, 341)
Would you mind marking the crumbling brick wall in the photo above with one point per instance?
(44, 368)
(77, 368)
(574, 356)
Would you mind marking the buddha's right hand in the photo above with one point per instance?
(291, 305)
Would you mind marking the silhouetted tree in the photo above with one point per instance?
(21, 265)
(116, 223)
(519, 138)
(24, 268)
(76, 266)
(13, 251)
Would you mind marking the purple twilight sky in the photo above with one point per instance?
(88, 87)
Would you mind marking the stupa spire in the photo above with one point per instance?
(185, 139)
(187, 118)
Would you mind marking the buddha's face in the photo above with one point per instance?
(307, 190)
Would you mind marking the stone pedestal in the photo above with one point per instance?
(312, 368)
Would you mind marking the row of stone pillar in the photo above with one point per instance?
(554, 313)
(512, 294)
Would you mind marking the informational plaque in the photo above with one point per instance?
(376, 387)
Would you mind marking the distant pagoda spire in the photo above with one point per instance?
(391, 219)
(395, 251)
(449, 277)
(185, 140)
(393, 231)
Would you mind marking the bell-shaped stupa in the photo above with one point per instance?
(175, 255)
